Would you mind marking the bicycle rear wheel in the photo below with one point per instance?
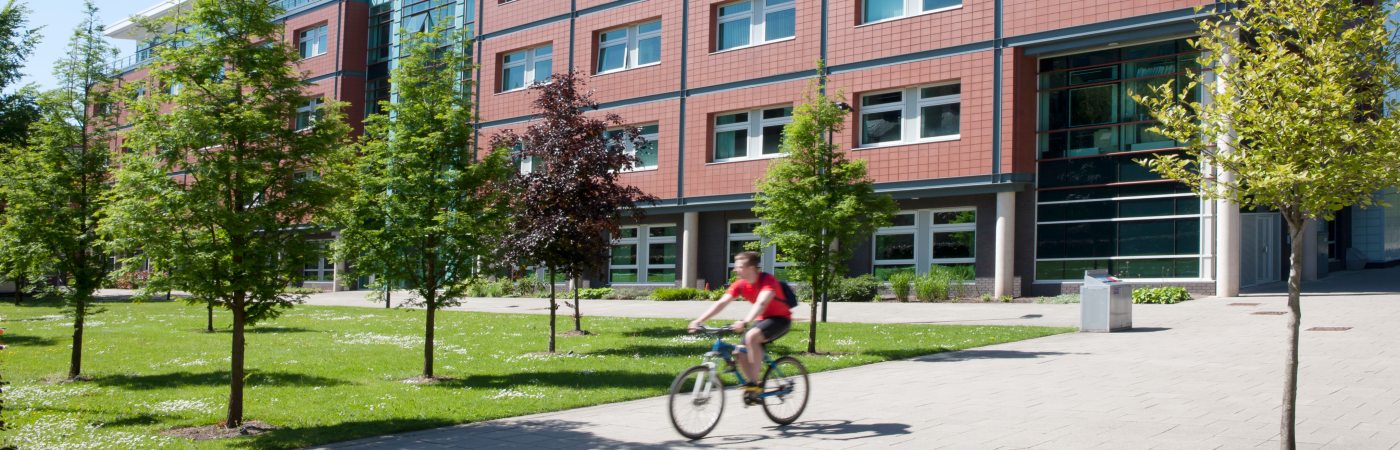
(785, 390)
(696, 401)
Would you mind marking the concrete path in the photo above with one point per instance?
(1198, 375)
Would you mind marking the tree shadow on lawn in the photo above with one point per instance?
(220, 378)
(20, 340)
(966, 355)
(504, 433)
(570, 378)
(659, 332)
(262, 330)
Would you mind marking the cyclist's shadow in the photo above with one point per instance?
(841, 430)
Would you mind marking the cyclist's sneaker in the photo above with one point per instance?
(751, 392)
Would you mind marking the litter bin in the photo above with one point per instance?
(1105, 303)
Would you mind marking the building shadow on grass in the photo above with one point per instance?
(575, 379)
(219, 378)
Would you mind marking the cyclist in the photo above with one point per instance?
(769, 310)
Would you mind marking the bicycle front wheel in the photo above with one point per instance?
(785, 390)
(696, 401)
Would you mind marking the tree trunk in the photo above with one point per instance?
(19, 289)
(386, 295)
(428, 341)
(209, 317)
(578, 322)
(552, 306)
(1287, 436)
(235, 391)
(812, 330)
(75, 365)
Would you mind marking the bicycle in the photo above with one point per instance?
(697, 395)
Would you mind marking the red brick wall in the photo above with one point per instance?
(497, 16)
(851, 42)
(708, 67)
(660, 182)
(638, 82)
(496, 105)
(1019, 112)
(1034, 16)
(703, 177)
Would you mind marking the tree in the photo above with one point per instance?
(422, 208)
(18, 109)
(1294, 124)
(221, 189)
(569, 204)
(56, 185)
(816, 204)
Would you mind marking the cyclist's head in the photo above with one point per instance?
(746, 265)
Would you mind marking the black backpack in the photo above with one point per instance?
(789, 296)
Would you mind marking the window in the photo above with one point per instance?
(526, 67)
(321, 267)
(644, 254)
(753, 22)
(312, 41)
(629, 47)
(920, 239)
(920, 114)
(741, 232)
(877, 10)
(646, 154)
(309, 113)
(525, 165)
(750, 134)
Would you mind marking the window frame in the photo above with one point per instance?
(911, 107)
(324, 264)
(909, 5)
(631, 46)
(312, 109)
(934, 229)
(630, 149)
(768, 254)
(642, 241)
(527, 64)
(757, 15)
(319, 40)
(754, 127)
(924, 231)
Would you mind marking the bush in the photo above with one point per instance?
(1164, 295)
(481, 287)
(594, 293)
(929, 288)
(669, 294)
(715, 294)
(627, 293)
(301, 290)
(1062, 299)
(899, 282)
(863, 288)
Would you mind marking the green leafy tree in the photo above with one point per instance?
(1294, 124)
(221, 189)
(18, 110)
(567, 206)
(423, 209)
(816, 204)
(55, 185)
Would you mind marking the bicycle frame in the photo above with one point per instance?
(724, 351)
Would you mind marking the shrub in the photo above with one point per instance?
(627, 293)
(1164, 295)
(594, 293)
(481, 287)
(1062, 299)
(527, 287)
(899, 282)
(863, 288)
(669, 294)
(929, 288)
(715, 294)
(300, 290)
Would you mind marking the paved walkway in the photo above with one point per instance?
(1202, 374)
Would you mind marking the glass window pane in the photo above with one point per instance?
(661, 253)
(737, 247)
(883, 272)
(882, 9)
(772, 139)
(1095, 75)
(939, 91)
(777, 113)
(543, 69)
(623, 275)
(624, 255)
(619, 34)
(894, 246)
(661, 232)
(627, 233)
(1153, 237)
(733, 34)
(958, 244)
(731, 144)
(731, 119)
(940, 120)
(954, 217)
(881, 127)
(881, 99)
(649, 50)
(514, 57)
(1148, 207)
(742, 227)
(661, 275)
(512, 78)
(649, 27)
(780, 24)
(646, 154)
(543, 51)
(612, 57)
(1188, 236)
(735, 8)
(902, 220)
(649, 129)
(1092, 105)
(930, 5)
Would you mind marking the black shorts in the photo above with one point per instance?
(773, 328)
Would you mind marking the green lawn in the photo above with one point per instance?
(327, 374)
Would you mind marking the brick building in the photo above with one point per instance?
(1002, 127)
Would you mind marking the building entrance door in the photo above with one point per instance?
(1260, 247)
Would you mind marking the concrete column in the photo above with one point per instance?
(690, 249)
(1004, 273)
(1227, 221)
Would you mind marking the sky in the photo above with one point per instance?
(58, 18)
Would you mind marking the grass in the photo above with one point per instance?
(327, 374)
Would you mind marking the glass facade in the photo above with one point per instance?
(644, 254)
(1096, 207)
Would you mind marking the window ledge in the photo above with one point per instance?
(640, 169)
(519, 89)
(628, 69)
(954, 137)
(750, 158)
(760, 44)
(312, 56)
(910, 16)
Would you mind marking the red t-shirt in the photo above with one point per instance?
(749, 291)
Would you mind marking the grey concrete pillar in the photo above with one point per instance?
(1004, 273)
(690, 249)
(1227, 220)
